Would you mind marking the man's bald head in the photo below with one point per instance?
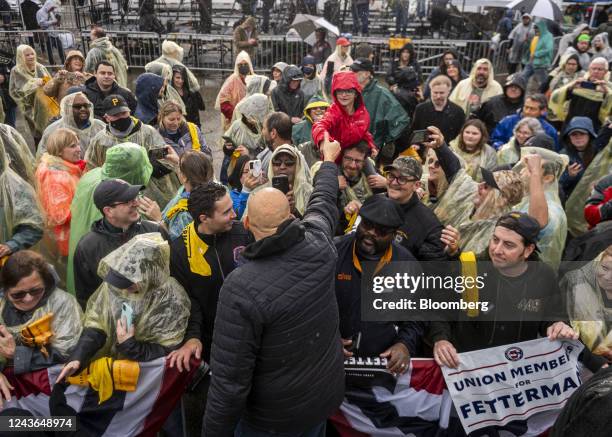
(267, 209)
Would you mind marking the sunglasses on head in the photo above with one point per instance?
(20, 295)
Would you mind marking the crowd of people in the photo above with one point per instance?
(258, 271)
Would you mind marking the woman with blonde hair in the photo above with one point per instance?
(57, 176)
(179, 133)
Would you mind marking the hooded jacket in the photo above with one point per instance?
(160, 307)
(45, 17)
(191, 99)
(96, 96)
(310, 87)
(606, 51)
(462, 91)
(544, 50)
(65, 325)
(498, 107)
(520, 37)
(126, 161)
(388, 119)
(58, 86)
(102, 49)
(241, 37)
(85, 134)
(147, 90)
(559, 78)
(302, 131)
(26, 92)
(172, 56)
(21, 159)
(342, 127)
(567, 182)
(232, 91)
(296, 313)
(291, 102)
(254, 109)
(396, 67)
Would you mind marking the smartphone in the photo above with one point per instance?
(127, 313)
(281, 182)
(227, 139)
(588, 85)
(419, 137)
(355, 342)
(159, 153)
(255, 168)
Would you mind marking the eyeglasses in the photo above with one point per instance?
(401, 180)
(350, 160)
(127, 202)
(280, 162)
(380, 230)
(81, 106)
(20, 295)
(347, 92)
(434, 163)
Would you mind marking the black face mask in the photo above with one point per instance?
(244, 69)
(121, 124)
(307, 71)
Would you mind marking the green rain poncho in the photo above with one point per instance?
(162, 189)
(21, 158)
(589, 315)
(574, 207)
(24, 88)
(127, 161)
(161, 306)
(66, 323)
(67, 121)
(18, 207)
(102, 49)
(551, 239)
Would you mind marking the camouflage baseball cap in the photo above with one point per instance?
(408, 167)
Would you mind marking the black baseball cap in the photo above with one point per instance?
(487, 176)
(362, 64)
(523, 224)
(117, 280)
(112, 191)
(114, 104)
(382, 211)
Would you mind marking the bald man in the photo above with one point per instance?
(276, 356)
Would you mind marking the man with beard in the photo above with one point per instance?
(473, 92)
(373, 241)
(581, 49)
(276, 131)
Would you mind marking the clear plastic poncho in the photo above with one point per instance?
(20, 155)
(485, 157)
(66, 324)
(551, 239)
(255, 108)
(102, 49)
(574, 207)
(33, 103)
(588, 314)
(161, 306)
(172, 54)
(67, 121)
(127, 161)
(163, 189)
(18, 205)
(233, 89)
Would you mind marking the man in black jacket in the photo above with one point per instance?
(276, 357)
(200, 259)
(118, 202)
(508, 103)
(381, 217)
(102, 85)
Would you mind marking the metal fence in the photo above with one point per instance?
(216, 52)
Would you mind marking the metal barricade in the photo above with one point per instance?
(50, 45)
(139, 48)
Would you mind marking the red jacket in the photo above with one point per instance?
(348, 130)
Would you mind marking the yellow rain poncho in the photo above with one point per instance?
(67, 121)
(25, 89)
(127, 161)
(65, 323)
(161, 306)
(162, 189)
(551, 239)
(172, 54)
(588, 314)
(485, 157)
(574, 207)
(21, 158)
(102, 49)
(233, 89)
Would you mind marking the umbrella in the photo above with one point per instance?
(305, 26)
(538, 8)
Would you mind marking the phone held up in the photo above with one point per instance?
(281, 182)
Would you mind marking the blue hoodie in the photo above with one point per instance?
(567, 182)
(147, 90)
(504, 130)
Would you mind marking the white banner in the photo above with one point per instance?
(492, 387)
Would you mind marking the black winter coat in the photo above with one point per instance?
(493, 110)
(95, 245)
(97, 96)
(276, 355)
(284, 100)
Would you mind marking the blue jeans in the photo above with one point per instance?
(244, 430)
